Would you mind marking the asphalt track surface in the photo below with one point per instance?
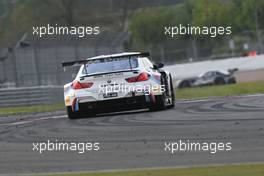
(136, 139)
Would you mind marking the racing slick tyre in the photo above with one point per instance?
(160, 103)
(73, 115)
(160, 100)
(232, 81)
(76, 115)
(172, 94)
(219, 81)
(184, 84)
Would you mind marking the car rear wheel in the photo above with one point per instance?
(160, 100)
(73, 115)
(184, 84)
(172, 94)
(232, 81)
(78, 114)
(159, 104)
(219, 81)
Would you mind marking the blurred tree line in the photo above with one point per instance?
(21, 15)
(145, 19)
(245, 17)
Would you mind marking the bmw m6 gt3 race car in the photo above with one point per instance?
(124, 81)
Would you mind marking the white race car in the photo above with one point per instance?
(117, 82)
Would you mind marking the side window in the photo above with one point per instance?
(206, 75)
(218, 74)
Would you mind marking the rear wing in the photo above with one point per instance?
(232, 71)
(81, 62)
(74, 63)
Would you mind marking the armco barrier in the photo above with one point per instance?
(26, 96)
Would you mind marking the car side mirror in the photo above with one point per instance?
(158, 65)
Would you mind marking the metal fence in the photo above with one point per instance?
(37, 62)
(27, 96)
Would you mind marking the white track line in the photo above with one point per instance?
(31, 121)
(217, 98)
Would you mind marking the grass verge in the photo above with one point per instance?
(229, 170)
(224, 90)
(31, 109)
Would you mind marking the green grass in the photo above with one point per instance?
(31, 109)
(224, 90)
(229, 170)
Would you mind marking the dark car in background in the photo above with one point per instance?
(209, 78)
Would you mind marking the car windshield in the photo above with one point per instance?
(109, 65)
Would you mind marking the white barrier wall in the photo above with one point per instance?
(180, 71)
